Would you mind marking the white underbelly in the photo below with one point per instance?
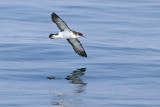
(66, 35)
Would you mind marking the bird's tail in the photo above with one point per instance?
(52, 36)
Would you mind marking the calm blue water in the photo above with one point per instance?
(123, 46)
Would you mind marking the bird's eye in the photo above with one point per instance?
(80, 34)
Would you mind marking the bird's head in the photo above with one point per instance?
(80, 35)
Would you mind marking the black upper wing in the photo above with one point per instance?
(59, 22)
(77, 47)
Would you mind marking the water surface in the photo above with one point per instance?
(123, 64)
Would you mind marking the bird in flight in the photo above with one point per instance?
(67, 33)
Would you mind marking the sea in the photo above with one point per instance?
(122, 43)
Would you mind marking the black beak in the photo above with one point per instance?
(83, 36)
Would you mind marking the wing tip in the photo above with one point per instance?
(83, 54)
(53, 13)
(54, 16)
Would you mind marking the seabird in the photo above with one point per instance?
(67, 33)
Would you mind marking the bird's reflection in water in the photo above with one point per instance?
(74, 78)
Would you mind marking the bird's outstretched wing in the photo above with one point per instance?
(77, 47)
(59, 22)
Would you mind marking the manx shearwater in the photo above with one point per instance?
(67, 33)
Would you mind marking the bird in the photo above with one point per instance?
(67, 33)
